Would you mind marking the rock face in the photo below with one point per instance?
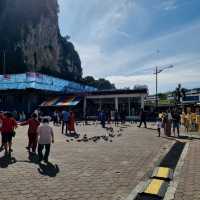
(31, 40)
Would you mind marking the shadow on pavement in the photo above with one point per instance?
(7, 160)
(147, 197)
(172, 157)
(189, 137)
(73, 135)
(48, 169)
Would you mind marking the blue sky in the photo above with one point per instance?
(123, 40)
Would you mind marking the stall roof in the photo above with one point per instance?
(31, 80)
(119, 91)
(61, 101)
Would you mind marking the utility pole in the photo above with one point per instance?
(158, 71)
(156, 89)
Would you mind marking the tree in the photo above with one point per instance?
(179, 93)
(162, 96)
(101, 84)
(89, 80)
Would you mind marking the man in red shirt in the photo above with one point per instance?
(8, 126)
(32, 132)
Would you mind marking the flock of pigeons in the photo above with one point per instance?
(108, 136)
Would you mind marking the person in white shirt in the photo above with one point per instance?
(159, 126)
(45, 138)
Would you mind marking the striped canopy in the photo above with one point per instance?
(62, 101)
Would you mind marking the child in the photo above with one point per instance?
(46, 137)
(159, 126)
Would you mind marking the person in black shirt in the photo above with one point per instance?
(176, 119)
(142, 118)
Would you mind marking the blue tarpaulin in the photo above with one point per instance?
(39, 81)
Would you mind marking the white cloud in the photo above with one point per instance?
(188, 77)
(95, 24)
(117, 13)
(137, 58)
(169, 5)
(93, 20)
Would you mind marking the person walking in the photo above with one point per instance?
(176, 119)
(45, 138)
(142, 118)
(1, 124)
(71, 123)
(54, 118)
(168, 123)
(123, 117)
(109, 116)
(159, 126)
(32, 132)
(116, 118)
(103, 119)
(9, 125)
(65, 119)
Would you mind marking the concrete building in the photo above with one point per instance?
(87, 104)
(24, 92)
(127, 101)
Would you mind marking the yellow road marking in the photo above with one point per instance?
(154, 187)
(163, 172)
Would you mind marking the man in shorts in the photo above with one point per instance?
(8, 126)
(176, 118)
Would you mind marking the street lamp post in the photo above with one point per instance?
(156, 88)
(158, 71)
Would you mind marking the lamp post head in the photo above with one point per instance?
(171, 66)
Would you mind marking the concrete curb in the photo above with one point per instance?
(170, 194)
(141, 185)
(136, 190)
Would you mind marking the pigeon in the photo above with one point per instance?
(111, 135)
(85, 138)
(105, 137)
(118, 135)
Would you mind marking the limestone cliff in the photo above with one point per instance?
(31, 40)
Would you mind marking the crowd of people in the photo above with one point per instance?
(169, 121)
(40, 134)
(112, 116)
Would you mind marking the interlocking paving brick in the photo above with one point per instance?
(188, 187)
(85, 170)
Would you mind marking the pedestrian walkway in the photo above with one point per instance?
(188, 187)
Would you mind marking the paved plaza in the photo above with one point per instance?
(188, 188)
(106, 170)
(101, 169)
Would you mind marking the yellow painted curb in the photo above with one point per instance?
(155, 187)
(163, 173)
